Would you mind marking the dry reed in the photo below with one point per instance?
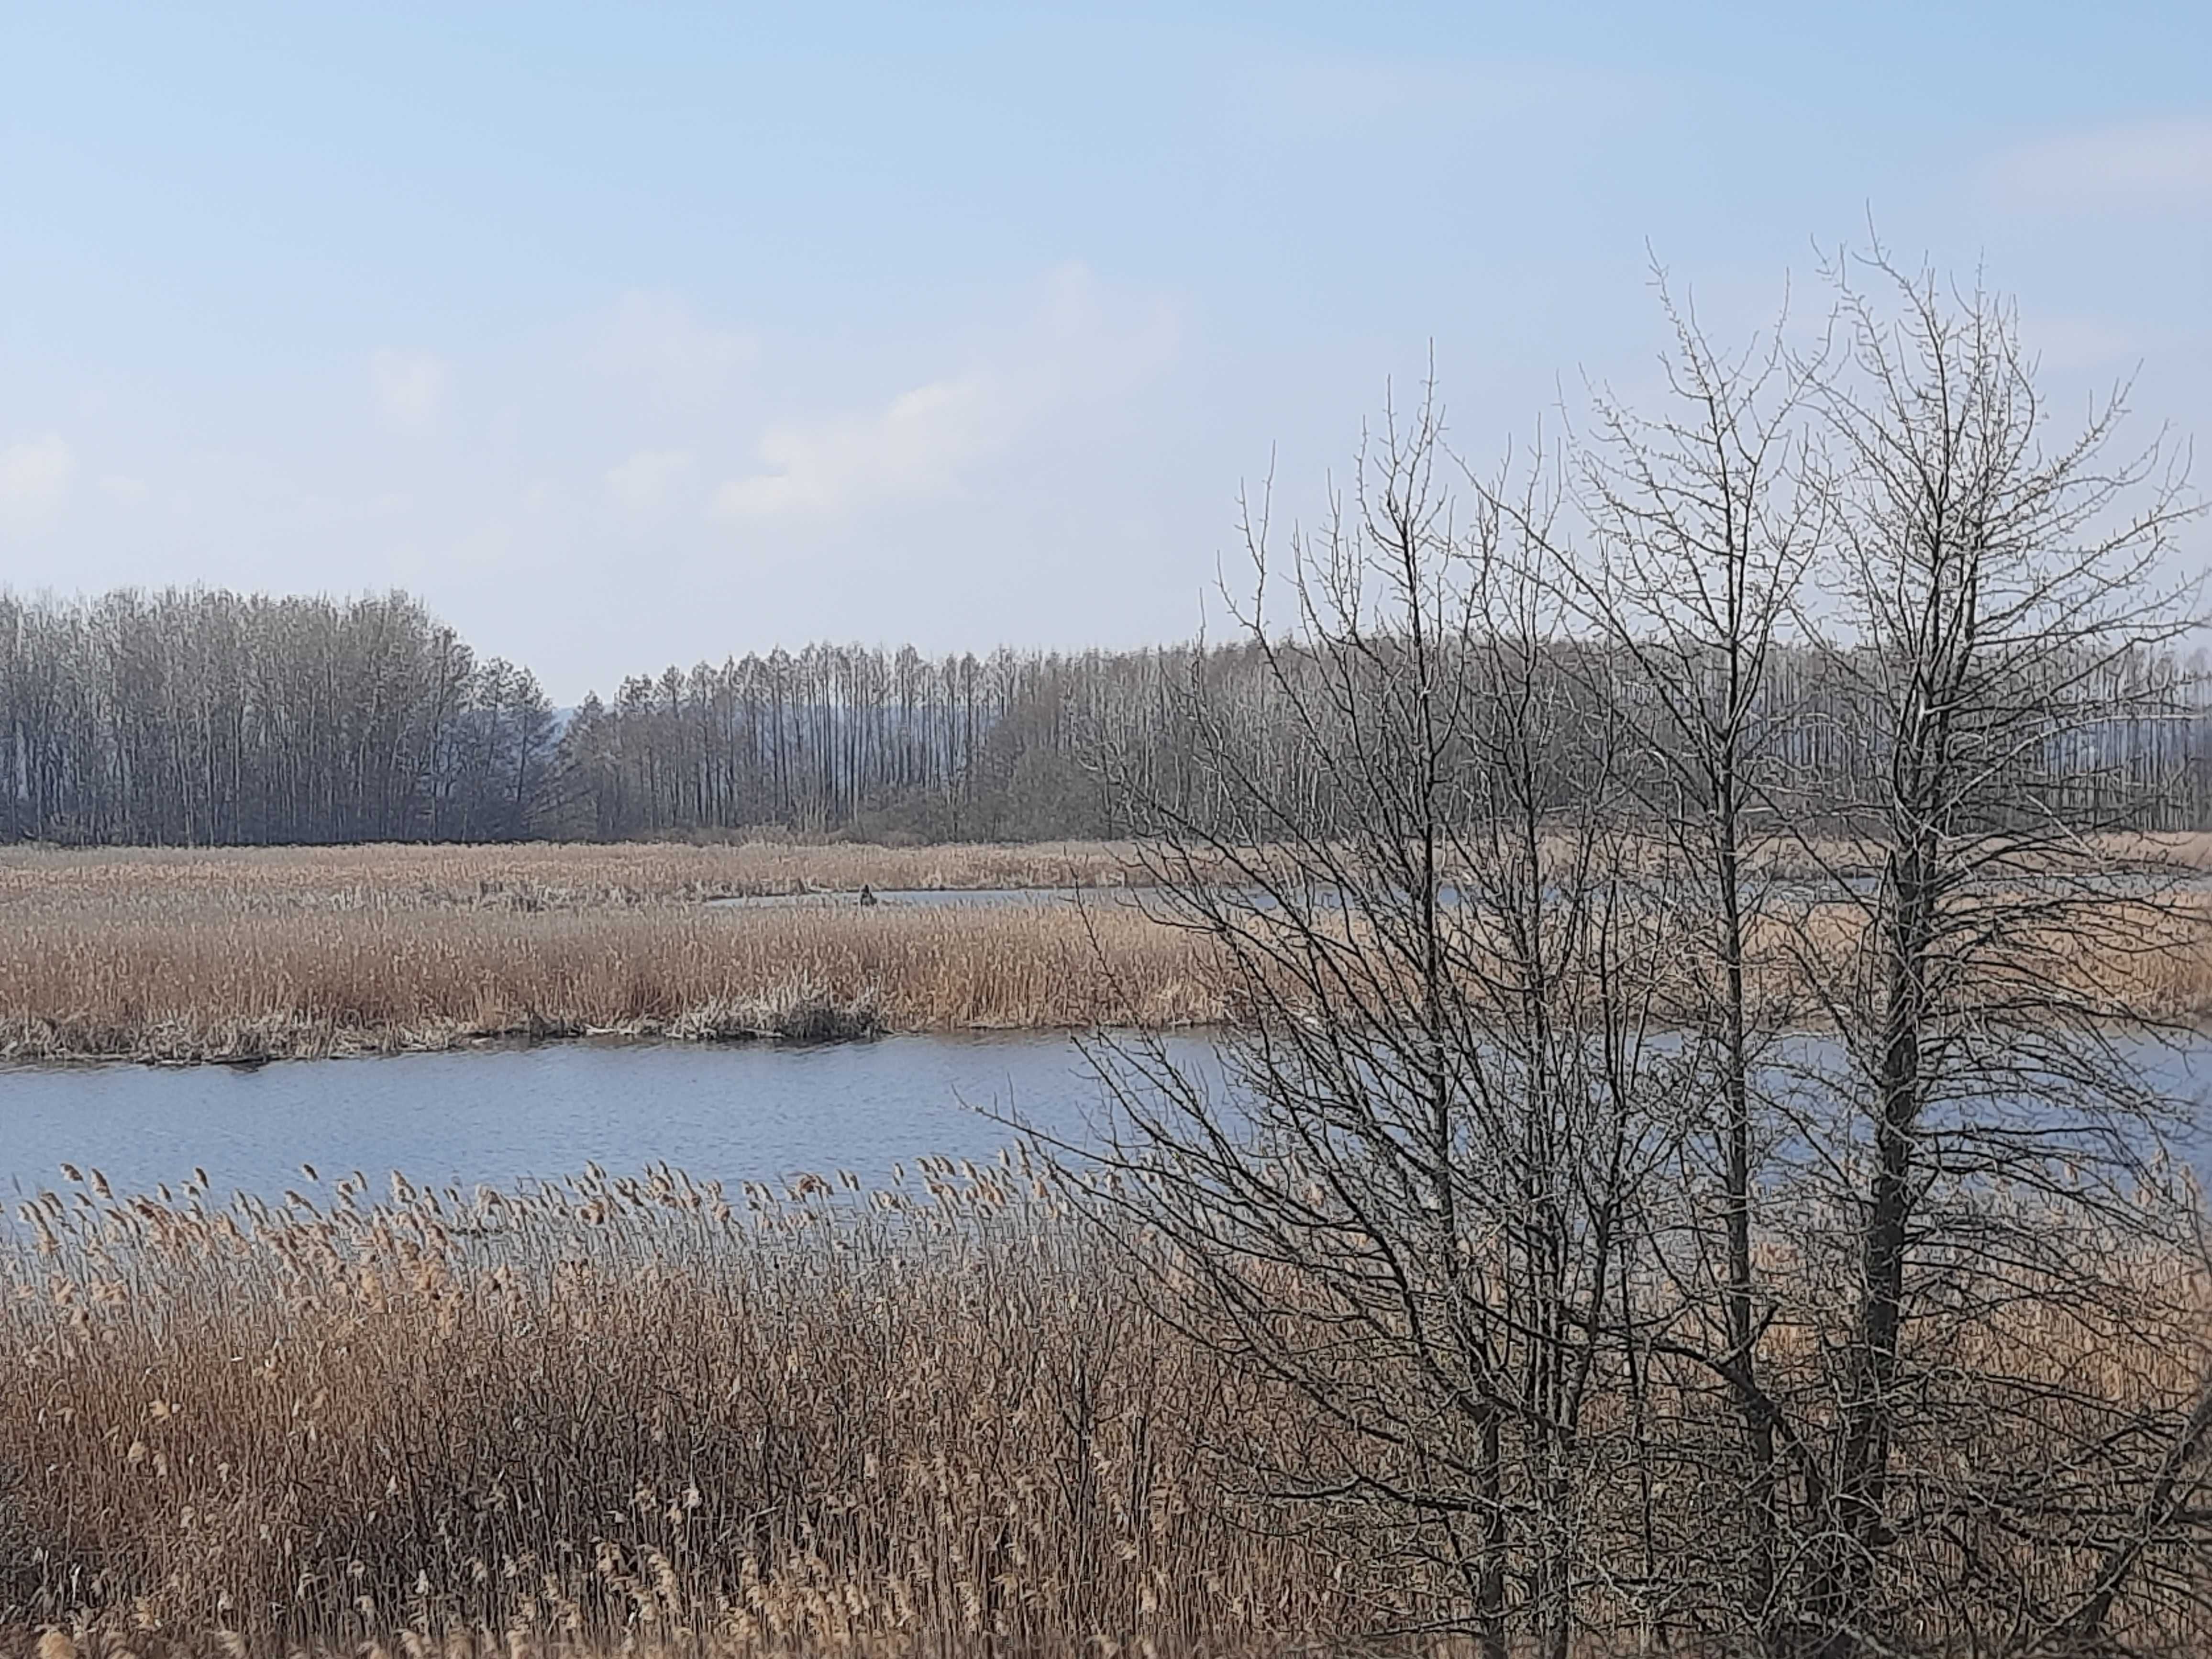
(645, 1413)
(527, 876)
(245, 955)
(654, 1415)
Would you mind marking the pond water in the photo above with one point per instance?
(760, 1112)
(930, 899)
(757, 1112)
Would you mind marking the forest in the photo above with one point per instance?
(203, 718)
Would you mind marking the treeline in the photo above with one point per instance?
(850, 740)
(1037, 746)
(204, 717)
(198, 717)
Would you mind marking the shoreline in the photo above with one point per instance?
(244, 958)
(15, 1057)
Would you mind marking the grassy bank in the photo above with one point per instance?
(251, 955)
(244, 956)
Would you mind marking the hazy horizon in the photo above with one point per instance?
(625, 340)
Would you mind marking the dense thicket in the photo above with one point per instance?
(208, 718)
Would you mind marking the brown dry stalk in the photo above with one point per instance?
(654, 1415)
(302, 952)
(314, 951)
(528, 876)
(643, 1412)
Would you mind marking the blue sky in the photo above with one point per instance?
(636, 335)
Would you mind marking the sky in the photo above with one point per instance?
(628, 336)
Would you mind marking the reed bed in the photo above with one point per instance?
(525, 876)
(645, 1413)
(244, 956)
(247, 955)
(653, 1415)
(248, 987)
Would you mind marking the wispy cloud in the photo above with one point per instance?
(644, 482)
(2155, 166)
(408, 388)
(657, 340)
(925, 442)
(34, 482)
(915, 447)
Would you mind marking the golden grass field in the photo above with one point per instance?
(632, 1408)
(533, 874)
(245, 955)
(649, 1415)
(256, 954)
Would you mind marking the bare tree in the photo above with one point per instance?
(1995, 599)
(1699, 533)
(1415, 1205)
(1687, 1134)
(205, 717)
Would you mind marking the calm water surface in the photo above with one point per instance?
(758, 1112)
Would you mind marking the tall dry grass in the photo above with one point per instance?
(254, 955)
(613, 1411)
(526, 876)
(251, 987)
(654, 1415)
(264, 954)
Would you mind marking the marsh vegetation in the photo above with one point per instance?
(654, 1412)
(245, 955)
(1511, 1276)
